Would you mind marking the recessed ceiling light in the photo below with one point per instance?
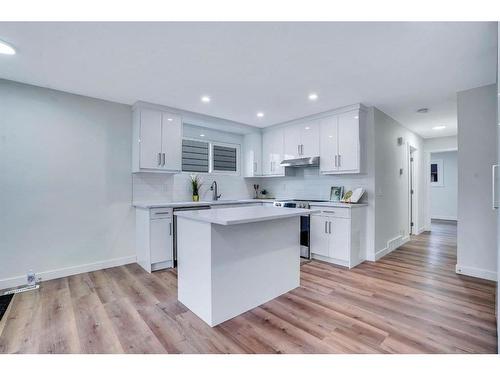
(313, 96)
(307, 127)
(260, 114)
(422, 110)
(202, 135)
(440, 127)
(170, 119)
(205, 99)
(6, 48)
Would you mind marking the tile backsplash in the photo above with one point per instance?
(162, 187)
(306, 183)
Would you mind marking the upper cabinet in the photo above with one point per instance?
(252, 151)
(301, 140)
(340, 142)
(157, 143)
(272, 153)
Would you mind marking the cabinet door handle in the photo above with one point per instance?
(330, 227)
(298, 149)
(336, 157)
(164, 159)
(159, 158)
(254, 167)
(302, 149)
(340, 161)
(170, 226)
(326, 228)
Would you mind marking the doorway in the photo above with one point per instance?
(411, 191)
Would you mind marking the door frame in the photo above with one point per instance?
(427, 182)
(412, 190)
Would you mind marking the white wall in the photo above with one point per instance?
(441, 144)
(444, 199)
(65, 184)
(160, 187)
(477, 152)
(391, 188)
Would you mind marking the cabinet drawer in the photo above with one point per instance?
(159, 213)
(341, 212)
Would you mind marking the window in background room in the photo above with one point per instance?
(436, 173)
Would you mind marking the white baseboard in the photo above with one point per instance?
(392, 245)
(476, 272)
(68, 271)
(451, 218)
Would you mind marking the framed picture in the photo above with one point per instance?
(437, 173)
(336, 193)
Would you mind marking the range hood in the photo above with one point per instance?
(301, 162)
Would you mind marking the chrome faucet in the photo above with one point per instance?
(213, 187)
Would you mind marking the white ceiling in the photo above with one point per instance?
(269, 67)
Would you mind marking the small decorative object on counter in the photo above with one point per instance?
(196, 184)
(256, 188)
(336, 193)
(353, 196)
(263, 193)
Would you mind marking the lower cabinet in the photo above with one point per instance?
(337, 235)
(154, 238)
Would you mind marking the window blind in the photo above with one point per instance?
(224, 158)
(194, 156)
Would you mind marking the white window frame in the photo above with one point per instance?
(211, 145)
(238, 162)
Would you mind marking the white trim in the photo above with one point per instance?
(68, 271)
(392, 245)
(439, 217)
(476, 272)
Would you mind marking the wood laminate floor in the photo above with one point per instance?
(411, 301)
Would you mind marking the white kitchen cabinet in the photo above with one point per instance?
(301, 140)
(252, 151)
(157, 143)
(338, 235)
(341, 144)
(272, 153)
(319, 238)
(154, 238)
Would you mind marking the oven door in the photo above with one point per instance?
(305, 237)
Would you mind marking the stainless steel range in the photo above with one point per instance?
(305, 251)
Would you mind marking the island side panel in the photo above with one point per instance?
(194, 267)
(252, 264)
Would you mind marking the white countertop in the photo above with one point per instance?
(242, 215)
(156, 204)
(338, 204)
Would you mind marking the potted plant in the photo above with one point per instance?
(195, 187)
(263, 193)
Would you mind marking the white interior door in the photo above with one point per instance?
(319, 236)
(172, 141)
(151, 139)
(328, 144)
(348, 144)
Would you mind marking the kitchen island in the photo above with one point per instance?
(231, 260)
